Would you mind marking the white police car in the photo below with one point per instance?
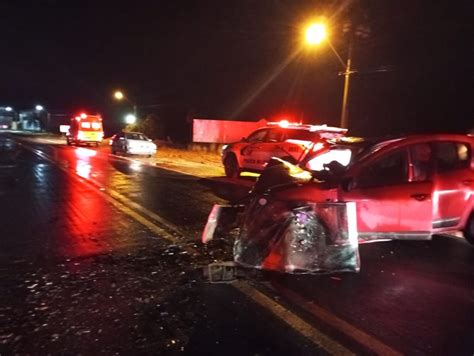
(291, 142)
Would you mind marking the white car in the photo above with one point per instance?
(133, 143)
(291, 142)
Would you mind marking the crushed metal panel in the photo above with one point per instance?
(222, 219)
(298, 237)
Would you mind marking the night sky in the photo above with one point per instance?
(178, 58)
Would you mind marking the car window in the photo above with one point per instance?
(421, 161)
(303, 135)
(274, 135)
(257, 136)
(390, 169)
(451, 156)
(135, 136)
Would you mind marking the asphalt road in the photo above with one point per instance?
(82, 274)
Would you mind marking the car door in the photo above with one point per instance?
(269, 147)
(249, 153)
(389, 204)
(454, 183)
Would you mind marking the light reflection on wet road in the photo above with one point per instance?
(183, 200)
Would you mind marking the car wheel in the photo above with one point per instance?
(231, 167)
(469, 229)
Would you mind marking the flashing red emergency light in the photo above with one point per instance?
(83, 115)
(284, 123)
(78, 118)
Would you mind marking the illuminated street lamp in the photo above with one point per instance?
(39, 107)
(118, 95)
(8, 108)
(130, 119)
(315, 34)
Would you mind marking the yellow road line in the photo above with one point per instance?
(362, 338)
(291, 319)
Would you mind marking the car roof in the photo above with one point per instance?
(134, 133)
(431, 137)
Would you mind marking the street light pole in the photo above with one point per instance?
(347, 74)
(315, 34)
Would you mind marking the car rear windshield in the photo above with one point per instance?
(303, 135)
(90, 126)
(135, 136)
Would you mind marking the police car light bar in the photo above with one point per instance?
(326, 128)
(312, 128)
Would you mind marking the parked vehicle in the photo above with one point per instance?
(85, 129)
(407, 188)
(134, 143)
(291, 142)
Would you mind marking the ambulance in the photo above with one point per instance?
(85, 129)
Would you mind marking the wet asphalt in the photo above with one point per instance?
(79, 276)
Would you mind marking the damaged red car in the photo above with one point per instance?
(303, 218)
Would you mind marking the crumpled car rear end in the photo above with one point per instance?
(298, 237)
(288, 235)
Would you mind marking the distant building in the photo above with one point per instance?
(30, 120)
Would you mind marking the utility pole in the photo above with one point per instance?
(347, 74)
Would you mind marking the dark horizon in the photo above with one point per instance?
(206, 58)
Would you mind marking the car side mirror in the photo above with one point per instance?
(347, 184)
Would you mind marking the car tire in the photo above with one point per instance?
(231, 167)
(469, 229)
